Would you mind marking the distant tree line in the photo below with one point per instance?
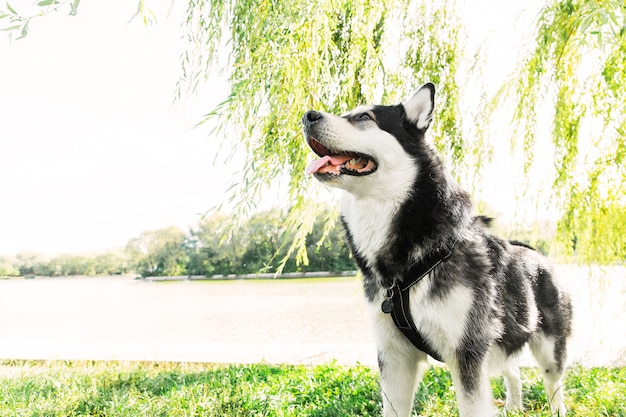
(215, 247)
(212, 247)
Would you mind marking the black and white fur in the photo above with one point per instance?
(478, 309)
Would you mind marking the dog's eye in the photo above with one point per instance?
(364, 116)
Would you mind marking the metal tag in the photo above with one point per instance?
(387, 306)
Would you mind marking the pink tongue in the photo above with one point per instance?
(326, 164)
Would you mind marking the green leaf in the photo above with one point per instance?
(24, 31)
(10, 28)
(43, 3)
(74, 7)
(11, 9)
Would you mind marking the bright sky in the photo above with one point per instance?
(92, 149)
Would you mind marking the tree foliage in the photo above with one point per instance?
(25, 263)
(14, 20)
(333, 55)
(158, 252)
(283, 58)
(578, 66)
(258, 245)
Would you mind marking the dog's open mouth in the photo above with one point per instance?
(337, 163)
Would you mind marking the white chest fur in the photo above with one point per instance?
(369, 221)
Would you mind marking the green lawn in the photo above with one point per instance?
(125, 389)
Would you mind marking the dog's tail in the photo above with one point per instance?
(522, 244)
(484, 221)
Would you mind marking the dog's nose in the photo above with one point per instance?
(311, 117)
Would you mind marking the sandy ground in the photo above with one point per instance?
(293, 321)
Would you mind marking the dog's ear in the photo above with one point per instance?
(419, 108)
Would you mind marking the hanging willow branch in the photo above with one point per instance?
(284, 58)
(578, 67)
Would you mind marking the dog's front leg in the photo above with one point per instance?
(401, 368)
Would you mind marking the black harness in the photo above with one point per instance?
(397, 300)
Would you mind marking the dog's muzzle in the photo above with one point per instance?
(332, 162)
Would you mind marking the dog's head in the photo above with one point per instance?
(371, 147)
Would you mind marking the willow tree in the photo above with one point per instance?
(578, 68)
(283, 58)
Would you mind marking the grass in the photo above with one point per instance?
(125, 389)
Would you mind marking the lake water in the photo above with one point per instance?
(295, 321)
(216, 321)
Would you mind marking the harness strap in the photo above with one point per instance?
(400, 305)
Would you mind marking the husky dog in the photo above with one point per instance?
(474, 307)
